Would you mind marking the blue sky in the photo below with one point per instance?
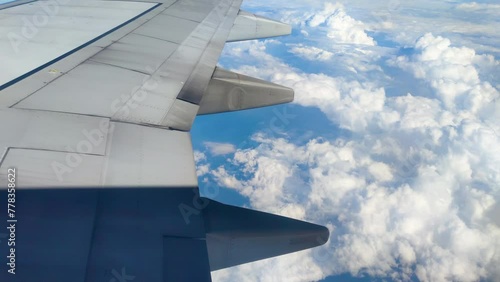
(392, 140)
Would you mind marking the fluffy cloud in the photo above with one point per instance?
(311, 53)
(217, 149)
(202, 167)
(480, 7)
(351, 104)
(434, 221)
(413, 188)
(412, 192)
(452, 72)
(341, 27)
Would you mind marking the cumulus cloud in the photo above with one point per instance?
(453, 73)
(217, 149)
(199, 156)
(311, 53)
(333, 21)
(413, 189)
(202, 167)
(341, 27)
(433, 224)
(413, 192)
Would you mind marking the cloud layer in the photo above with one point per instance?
(412, 190)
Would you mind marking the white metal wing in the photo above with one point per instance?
(103, 93)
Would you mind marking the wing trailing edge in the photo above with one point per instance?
(248, 26)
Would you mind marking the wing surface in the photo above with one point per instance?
(97, 99)
(102, 93)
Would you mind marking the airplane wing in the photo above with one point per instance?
(96, 102)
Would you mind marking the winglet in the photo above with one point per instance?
(236, 235)
(248, 26)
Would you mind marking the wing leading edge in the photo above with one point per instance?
(120, 91)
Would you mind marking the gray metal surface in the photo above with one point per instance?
(192, 9)
(200, 76)
(140, 155)
(136, 52)
(249, 26)
(40, 168)
(181, 115)
(170, 55)
(27, 42)
(50, 131)
(229, 91)
(168, 28)
(87, 90)
(125, 76)
(67, 150)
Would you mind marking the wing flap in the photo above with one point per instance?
(249, 26)
(87, 90)
(92, 151)
(137, 52)
(45, 168)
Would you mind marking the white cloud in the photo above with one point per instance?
(413, 190)
(311, 53)
(217, 149)
(351, 104)
(452, 71)
(435, 222)
(341, 28)
(199, 156)
(202, 167)
(481, 7)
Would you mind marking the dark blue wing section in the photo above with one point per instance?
(138, 234)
